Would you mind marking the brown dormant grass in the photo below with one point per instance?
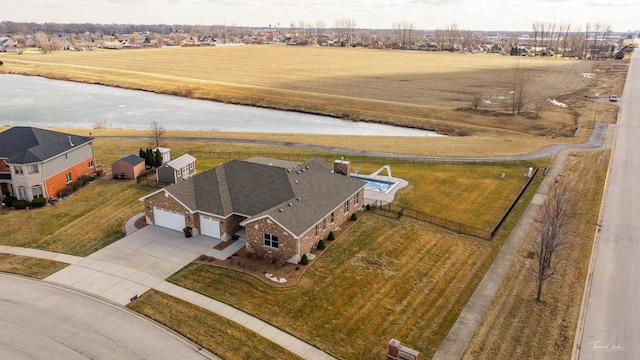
(515, 325)
(32, 267)
(223, 337)
(419, 89)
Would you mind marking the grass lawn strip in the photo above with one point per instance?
(221, 336)
(27, 266)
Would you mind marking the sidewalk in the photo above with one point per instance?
(465, 326)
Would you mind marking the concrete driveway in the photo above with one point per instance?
(134, 264)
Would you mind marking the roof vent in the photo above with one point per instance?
(290, 204)
(307, 166)
(296, 181)
(288, 170)
(70, 143)
(298, 172)
(281, 210)
(298, 198)
(270, 164)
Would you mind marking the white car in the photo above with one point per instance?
(613, 98)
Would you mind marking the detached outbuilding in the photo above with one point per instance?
(128, 167)
(180, 168)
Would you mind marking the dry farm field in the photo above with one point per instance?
(410, 88)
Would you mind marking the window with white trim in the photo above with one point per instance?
(191, 166)
(317, 229)
(333, 217)
(32, 169)
(356, 198)
(17, 170)
(324, 224)
(22, 193)
(346, 206)
(36, 190)
(90, 164)
(271, 240)
(69, 177)
(66, 157)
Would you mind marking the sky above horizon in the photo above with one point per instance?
(508, 15)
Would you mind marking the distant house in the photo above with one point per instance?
(112, 45)
(38, 163)
(128, 167)
(281, 209)
(7, 45)
(165, 153)
(177, 170)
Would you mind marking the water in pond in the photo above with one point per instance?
(36, 101)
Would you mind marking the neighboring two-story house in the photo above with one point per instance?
(281, 208)
(38, 163)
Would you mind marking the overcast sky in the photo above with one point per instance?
(518, 15)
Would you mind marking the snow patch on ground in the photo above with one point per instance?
(588, 75)
(557, 103)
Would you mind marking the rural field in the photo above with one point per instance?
(408, 88)
(383, 278)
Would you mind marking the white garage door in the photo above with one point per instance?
(210, 227)
(168, 219)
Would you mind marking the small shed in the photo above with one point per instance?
(128, 167)
(176, 170)
(165, 153)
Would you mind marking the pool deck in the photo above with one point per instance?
(371, 196)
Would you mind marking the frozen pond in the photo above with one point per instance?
(37, 101)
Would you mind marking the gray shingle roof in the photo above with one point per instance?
(26, 145)
(255, 189)
(132, 159)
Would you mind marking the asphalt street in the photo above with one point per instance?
(612, 318)
(41, 321)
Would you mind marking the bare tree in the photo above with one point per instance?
(475, 101)
(345, 28)
(403, 32)
(519, 82)
(157, 134)
(453, 35)
(440, 38)
(554, 216)
(41, 40)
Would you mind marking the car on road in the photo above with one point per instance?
(613, 98)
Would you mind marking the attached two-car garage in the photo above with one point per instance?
(174, 220)
(168, 219)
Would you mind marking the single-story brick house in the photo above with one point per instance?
(282, 208)
(128, 167)
(38, 163)
(176, 170)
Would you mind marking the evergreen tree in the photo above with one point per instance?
(157, 158)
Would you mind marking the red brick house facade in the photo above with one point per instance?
(38, 163)
(284, 208)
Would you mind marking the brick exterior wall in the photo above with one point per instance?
(287, 244)
(342, 167)
(54, 183)
(169, 203)
(4, 167)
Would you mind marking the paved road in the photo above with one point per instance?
(612, 320)
(40, 321)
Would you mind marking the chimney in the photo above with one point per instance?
(342, 167)
(70, 143)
